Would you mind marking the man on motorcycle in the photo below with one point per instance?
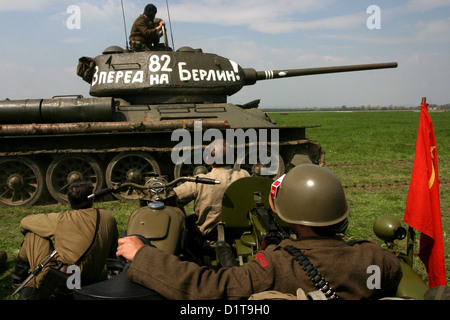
(311, 199)
(208, 198)
(83, 236)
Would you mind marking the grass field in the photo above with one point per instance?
(371, 152)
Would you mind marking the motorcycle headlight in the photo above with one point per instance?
(388, 228)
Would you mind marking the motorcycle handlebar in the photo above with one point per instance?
(190, 179)
(206, 180)
(103, 192)
(100, 193)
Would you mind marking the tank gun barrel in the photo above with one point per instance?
(251, 75)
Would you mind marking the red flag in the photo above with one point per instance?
(423, 211)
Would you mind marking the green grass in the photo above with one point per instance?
(371, 152)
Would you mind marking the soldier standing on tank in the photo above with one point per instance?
(146, 30)
(84, 236)
(311, 199)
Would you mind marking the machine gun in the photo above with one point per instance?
(248, 224)
(268, 230)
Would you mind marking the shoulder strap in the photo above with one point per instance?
(93, 239)
(316, 277)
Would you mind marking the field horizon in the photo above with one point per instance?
(371, 152)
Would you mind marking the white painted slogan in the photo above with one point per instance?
(159, 73)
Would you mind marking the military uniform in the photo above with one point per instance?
(143, 35)
(208, 198)
(344, 266)
(85, 237)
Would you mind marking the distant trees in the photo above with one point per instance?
(432, 107)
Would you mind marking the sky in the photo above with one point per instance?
(41, 43)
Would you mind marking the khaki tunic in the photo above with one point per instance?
(71, 233)
(144, 30)
(342, 265)
(208, 198)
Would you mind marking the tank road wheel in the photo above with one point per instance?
(70, 168)
(135, 167)
(21, 182)
(192, 168)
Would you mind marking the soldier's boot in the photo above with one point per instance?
(19, 272)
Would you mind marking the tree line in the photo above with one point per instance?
(431, 107)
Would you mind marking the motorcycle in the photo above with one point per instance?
(248, 225)
(158, 222)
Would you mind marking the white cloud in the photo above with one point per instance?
(426, 5)
(332, 23)
(94, 12)
(286, 34)
(25, 5)
(89, 12)
(438, 30)
(260, 15)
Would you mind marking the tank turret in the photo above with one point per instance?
(124, 132)
(185, 76)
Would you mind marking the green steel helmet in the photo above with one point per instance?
(310, 195)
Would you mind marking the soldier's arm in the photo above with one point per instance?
(155, 269)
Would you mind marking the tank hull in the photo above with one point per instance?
(38, 159)
(152, 113)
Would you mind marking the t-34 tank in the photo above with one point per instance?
(128, 129)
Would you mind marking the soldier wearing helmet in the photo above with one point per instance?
(146, 30)
(311, 199)
(311, 196)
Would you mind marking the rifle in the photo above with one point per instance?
(35, 272)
